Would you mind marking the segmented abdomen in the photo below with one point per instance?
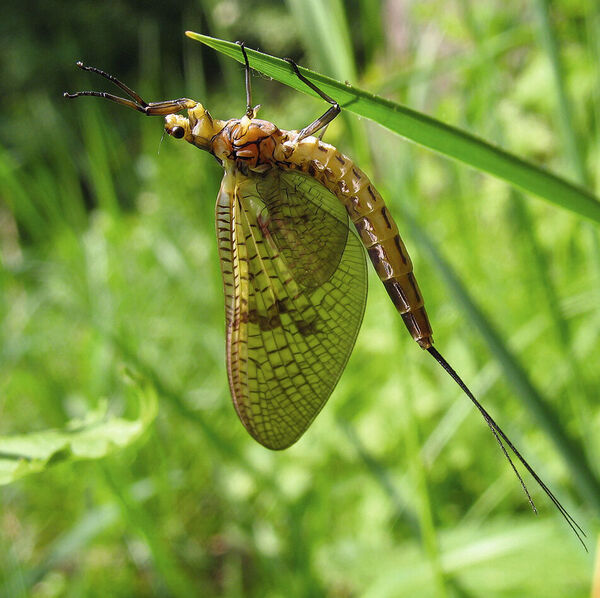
(374, 224)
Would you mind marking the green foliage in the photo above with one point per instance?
(108, 260)
(94, 436)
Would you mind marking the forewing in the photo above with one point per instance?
(295, 297)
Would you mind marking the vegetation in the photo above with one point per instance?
(130, 474)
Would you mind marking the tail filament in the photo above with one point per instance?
(500, 437)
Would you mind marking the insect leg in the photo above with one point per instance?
(323, 132)
(249, 109)
(322, 121)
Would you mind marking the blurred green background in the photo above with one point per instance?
(108, 260)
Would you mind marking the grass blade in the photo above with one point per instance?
(565, 112)
(424, 130)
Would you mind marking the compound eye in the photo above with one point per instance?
(177, 132)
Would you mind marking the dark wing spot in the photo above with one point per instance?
(306, 328)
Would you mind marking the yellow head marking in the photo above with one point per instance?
(198, 128)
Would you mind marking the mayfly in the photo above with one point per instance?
(294, 271)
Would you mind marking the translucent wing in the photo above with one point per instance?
(295, 290)
(311, 240)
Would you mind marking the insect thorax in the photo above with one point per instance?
(251, 144)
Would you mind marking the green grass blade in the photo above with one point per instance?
(327, 21)
(565, 112)
(429, 132)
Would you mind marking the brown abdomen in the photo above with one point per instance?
(392, 263)
(375, 226)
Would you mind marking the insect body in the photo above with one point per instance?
(294, 270)
(294, 274)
